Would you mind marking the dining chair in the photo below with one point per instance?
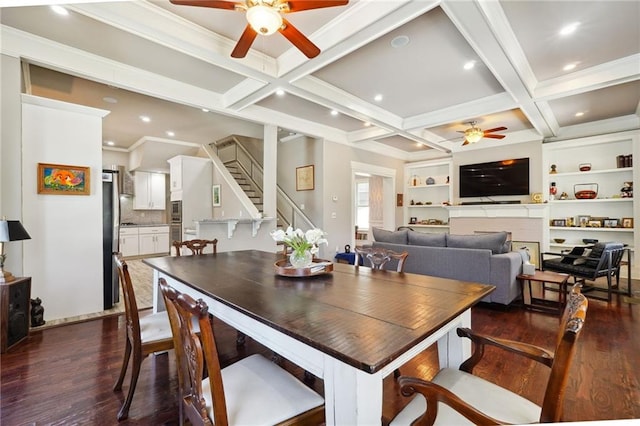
(379, 257)
(145, 335)
(458, 397)
(253, 390)
(197, 246)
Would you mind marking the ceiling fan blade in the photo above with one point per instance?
(216, 4)
(298, 5)
(497, 129)
(245, 42)
(299, 40)
(466, 142)
(493, 136)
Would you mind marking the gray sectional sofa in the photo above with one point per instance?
(482, 258)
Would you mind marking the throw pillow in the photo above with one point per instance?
(424, 239)
(494, 241)
(394, 237)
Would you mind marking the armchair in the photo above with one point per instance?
(456, 397)
(601, 260)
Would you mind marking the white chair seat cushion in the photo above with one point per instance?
(497, 402)
(155, 327)
(259, 392)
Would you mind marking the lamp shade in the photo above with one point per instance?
(12, 230)
(264, 20)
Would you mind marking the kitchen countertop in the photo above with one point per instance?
(141, 225)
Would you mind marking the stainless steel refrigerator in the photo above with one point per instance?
(110, 235)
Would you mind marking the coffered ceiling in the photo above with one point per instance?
(169, 62)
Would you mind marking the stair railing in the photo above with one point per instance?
(288, 213)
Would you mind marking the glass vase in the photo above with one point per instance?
(301, 259)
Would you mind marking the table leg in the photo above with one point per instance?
(454, 350)
(352, 397)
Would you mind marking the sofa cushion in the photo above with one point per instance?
(395, 237)
(494, 241)
(427, 239)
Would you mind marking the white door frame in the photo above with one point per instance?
(388, 193)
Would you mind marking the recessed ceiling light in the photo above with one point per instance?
(110, 143)
(579, 114)
(280, 92)
(377, 97)
(145, 118)
(367, 124)
(170, 133)
(569, 67)
(334, 112)
(110, 100)
(205, 110)
(399, 41)
(59, 10)
(469, 65)
(569, 29)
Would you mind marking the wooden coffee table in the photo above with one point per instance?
(541, 304)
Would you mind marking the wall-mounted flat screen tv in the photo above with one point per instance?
(506, 177)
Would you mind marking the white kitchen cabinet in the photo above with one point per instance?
(153, 240)
(427, 191)
(150, 191)
(191, 179)
(129, 242)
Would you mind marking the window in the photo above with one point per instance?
(362, 204)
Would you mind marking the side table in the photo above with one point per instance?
(15, 306)
(541, 304)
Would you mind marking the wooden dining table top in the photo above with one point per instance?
(362, 317)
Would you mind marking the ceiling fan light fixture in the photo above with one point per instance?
(264, 20)
(473, 134)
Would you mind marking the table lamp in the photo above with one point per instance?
(10, 230)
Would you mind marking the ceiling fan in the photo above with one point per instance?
(474, 134)
(265, 17)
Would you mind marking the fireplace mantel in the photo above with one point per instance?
(537, 211)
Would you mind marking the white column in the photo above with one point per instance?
(270, 162)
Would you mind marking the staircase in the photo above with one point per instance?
(250, 188)
(249, 175)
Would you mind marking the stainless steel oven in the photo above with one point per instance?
(176, 212)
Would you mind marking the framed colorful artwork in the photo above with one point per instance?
(59, 179)
(304, 178)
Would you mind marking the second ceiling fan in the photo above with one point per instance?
(474, 134)
(265, 17)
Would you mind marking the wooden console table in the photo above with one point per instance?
(15, 297)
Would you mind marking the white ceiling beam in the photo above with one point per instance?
(482, 34)
(600, 76)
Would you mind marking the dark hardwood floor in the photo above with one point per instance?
(64, 375)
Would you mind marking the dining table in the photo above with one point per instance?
(351, 326)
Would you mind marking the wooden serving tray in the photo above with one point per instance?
(320, 267)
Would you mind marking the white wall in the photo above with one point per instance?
(64, 256)
(10, 154)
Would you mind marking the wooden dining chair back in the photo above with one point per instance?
(457, 396)
(196, 246)
(145, 335)
(251, 391)
(379, 257)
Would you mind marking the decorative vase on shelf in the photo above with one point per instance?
(301, 259)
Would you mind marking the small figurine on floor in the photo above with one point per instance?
(37, 313)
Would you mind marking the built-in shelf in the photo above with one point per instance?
(233, 223)
(434, 185)
(586, 229)
(592, 172)
(596, 200)
(415, 225)
(426, 206)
